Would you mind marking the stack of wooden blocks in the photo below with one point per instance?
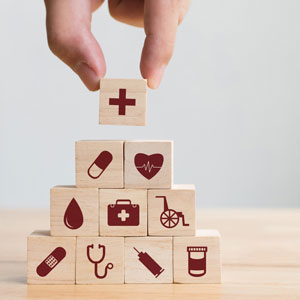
(123, 222)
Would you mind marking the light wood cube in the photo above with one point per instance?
(99, 164)
(123, 212)
(197, 259)
(172, 212)
(50, 260)
(74, 211)
(148, 164)
(90, 250)
(123, 101)
(148, 260)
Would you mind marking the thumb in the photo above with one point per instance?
(70, 39)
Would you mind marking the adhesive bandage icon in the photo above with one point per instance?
(51, 261)
(100, 164)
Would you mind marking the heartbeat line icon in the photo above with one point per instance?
(148, 165)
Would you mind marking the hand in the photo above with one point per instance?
(70, 38)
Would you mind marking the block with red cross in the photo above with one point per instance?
(123, 212)
(123, 101)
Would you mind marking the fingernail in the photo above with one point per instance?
(88, 76)
(154, 82)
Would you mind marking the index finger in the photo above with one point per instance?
(160, 22)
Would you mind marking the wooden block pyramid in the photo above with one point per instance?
(124, 221)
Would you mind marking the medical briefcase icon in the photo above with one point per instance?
(123, 213)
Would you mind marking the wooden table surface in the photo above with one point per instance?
(260, 255)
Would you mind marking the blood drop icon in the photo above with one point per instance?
(73, 217)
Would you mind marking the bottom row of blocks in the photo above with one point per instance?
(115, 260)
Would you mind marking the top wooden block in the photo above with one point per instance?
(123, 101)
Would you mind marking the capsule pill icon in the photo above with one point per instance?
(100, 164)
(51, 261)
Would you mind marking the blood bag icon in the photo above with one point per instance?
(100, 164)
(197, 261)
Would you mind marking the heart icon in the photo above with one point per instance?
(148, 165)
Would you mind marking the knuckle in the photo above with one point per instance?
(62, 43)
(166, 47)
(56, 42)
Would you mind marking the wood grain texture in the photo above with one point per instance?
(135, 89)
(260, 260)
(39, 245)
(180, 199)
(114, 254)
(185, 272)
(109, 197)
(87, 199)
(159, 249)
(163, 179)
(87, 152)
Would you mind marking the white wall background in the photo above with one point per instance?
(229, 100)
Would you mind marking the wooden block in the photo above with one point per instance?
(123, 101)
(50, 260)
(148, 260)
(99, 164)
(74, 211)
(92, 249)
(172, 212)
(197, 259)
(148, 164)
(123, 212)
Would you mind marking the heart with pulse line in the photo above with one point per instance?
(148, 165)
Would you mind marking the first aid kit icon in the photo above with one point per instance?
(123, 213)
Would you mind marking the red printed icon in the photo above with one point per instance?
(148, 165)
(51, 261)
(73, 217)
(122, 102)
(169, 218)
(96, 262)
(149, 263)
(123, 213)
(100, 164)
(197, 261)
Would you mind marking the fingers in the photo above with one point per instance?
(70, 38)
(95, 4)
(161, 18)
(127, 11)
(160, 21)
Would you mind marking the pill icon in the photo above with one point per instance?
(100, 164)
(51, 261)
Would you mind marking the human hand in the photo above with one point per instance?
(70, 38)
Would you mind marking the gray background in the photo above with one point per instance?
(229, 100)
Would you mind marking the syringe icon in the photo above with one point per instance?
(149, 263)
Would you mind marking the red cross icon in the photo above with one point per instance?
(122, 102)
(123, 215)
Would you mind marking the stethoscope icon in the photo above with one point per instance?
(108, 266)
